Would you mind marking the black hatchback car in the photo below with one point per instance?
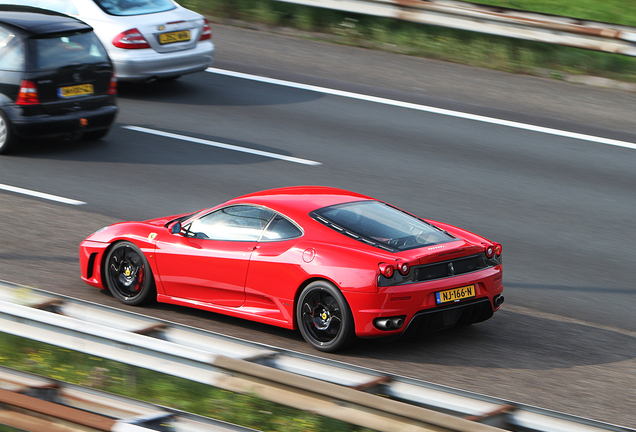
(56, 79)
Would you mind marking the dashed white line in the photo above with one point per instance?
(222, 145)
(40, 195)
(426, 108)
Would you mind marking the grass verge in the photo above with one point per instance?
(142, 384)
(474, 49)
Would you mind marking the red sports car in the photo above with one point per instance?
(334, 264)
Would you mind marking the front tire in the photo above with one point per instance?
(324, 317)
(128, 274)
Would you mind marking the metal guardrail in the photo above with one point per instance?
(352, 394)
(494, 20)
(34, 403)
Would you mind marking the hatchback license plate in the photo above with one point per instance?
(76, 90)
(455, 294)
(176, 36)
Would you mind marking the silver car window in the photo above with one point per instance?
(134, 7)
(63, 6)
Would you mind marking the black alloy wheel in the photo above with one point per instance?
(324, 317)
(128, 274)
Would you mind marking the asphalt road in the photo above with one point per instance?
(562, 207)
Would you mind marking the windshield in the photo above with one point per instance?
(134, 7)
(382, 224)
(63, 6)
(68, 49)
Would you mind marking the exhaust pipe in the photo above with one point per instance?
(397, 322)
(498, 300)
(390, 323)
(383, 323)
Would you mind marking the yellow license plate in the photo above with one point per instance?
(176, 36)
(456, 294)
(76, 90)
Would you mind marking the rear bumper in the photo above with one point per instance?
(145, 64)
(68, 124)
(416, 304)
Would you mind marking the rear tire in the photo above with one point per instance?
(7, 138)
(324, 317)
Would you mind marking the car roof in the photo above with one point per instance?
(296, 200)
(35, 21)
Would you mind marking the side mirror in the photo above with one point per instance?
(176, 228)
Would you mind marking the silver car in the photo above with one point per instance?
(145, 39)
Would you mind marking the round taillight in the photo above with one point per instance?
(490, 251)
(497, 249)
(404, 268)
(386, 270)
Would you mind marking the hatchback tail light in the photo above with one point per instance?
(28, 94)
(497, 249)
(206, 33)
(131, 39)
(112, 88)
(490, 251)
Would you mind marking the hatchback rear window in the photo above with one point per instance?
(68, 49)
(134, 7)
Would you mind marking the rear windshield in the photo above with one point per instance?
(380, 224)
(134, 7)
(68, 49)
(63, 6)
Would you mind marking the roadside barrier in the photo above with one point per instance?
(498, 21)
(345, 392)
(34, 403)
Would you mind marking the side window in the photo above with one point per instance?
(281, 229)
(236, 223)
(11, 52)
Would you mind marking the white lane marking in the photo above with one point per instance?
(534, 313)
(222, 145)
(41, 195)
(426, 108)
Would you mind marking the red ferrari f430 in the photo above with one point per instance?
(333, 264)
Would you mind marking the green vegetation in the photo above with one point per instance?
(4, 428)
(457, 46)
(142, 384)
(611, 11)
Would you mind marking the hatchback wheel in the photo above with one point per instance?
(7, 140)
(324, 317)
